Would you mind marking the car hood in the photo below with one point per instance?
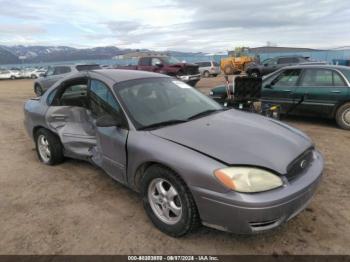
(239, 138)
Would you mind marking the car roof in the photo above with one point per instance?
(121, 75)
(289, 56)
(318, 66)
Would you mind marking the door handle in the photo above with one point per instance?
(335, 91)
(59, 117)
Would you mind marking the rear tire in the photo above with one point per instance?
(206, 74)
(13, 77)
(164, 191)
(48, 147)
(342, 116)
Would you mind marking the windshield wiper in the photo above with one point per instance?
(205, 113)
(164, 123)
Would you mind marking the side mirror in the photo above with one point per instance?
(108, 121)
(159, 64)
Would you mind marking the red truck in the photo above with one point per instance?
(185, 72)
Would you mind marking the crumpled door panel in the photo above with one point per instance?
(74, 125)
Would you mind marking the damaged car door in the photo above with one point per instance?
(111, 131)
(69, 117)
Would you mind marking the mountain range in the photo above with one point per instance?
(35, 54)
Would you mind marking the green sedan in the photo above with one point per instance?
(321, 90)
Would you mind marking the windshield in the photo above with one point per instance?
(156, 100)
(169, 60)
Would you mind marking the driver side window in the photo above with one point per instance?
(287, 78)
(102, 100)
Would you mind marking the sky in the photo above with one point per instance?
(182, 25)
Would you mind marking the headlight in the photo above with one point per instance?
(248, 179)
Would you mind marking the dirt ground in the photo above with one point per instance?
(74, 208)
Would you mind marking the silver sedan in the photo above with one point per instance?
(192, 161)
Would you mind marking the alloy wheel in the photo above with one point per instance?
(165, 201)
(44, 149)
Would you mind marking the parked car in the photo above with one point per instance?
(32, 73)
(270, 65)
(55, 73)
(191, 160)
(208, 69)
(167, 65)
(321, 90)
(9, 74)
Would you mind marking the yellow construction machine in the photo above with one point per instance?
(236, 62)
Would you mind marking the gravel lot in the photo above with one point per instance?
(74, 208)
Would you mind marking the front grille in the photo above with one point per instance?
(301, 163)
(192, 70)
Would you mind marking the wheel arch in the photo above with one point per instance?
(37, 84)
(336, 108)
(206, 71)
(141, 169)
(36, 128)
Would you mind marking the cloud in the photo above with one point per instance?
(190, 25)
(20, 29)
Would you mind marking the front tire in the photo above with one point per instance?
(206, 74)
(343, 116)
(38, 90)
(168, 202)
(48, 147)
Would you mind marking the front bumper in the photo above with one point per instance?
(253, 213)
(188, 78)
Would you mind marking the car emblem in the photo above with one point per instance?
(303, 163)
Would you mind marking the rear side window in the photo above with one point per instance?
(287, 78)
(59, 70)
(346, 73)
(338, 80)
(205, 64)
(321, 77)
(288, 60)
(87, 67)
(145, 61)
